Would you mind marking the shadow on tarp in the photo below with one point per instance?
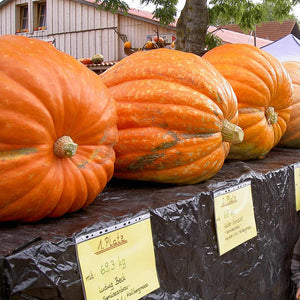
(38, 261)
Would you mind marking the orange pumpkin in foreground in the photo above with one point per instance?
(175, 117)
(264, 93)
(291, 138)
(50, 102)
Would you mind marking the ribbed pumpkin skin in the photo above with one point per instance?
(259, 81)
(171, 106)
(46, 94)
(291, 137)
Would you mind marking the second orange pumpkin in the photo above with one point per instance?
(175, 112)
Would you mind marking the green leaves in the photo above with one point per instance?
(281, 8)
(242, 12)
(247, 14)
(113, 5)
(212, 41)
(165, 10)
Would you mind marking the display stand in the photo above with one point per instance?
(38, 261)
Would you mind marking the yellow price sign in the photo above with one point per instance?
(234, 216)
(297, 185)
(118, 262)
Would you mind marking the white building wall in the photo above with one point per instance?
(82, 30)
(137, 31)
(7, 19)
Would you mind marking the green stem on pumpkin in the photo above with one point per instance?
(232, 133)
(65, 147)
(271, 115)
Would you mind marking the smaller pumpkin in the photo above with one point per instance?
(159, 40)
(149, 45)
(97, 59)
(86, 61)
(291, 138)
(127, 45)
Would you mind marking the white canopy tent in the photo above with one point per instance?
(285, 49)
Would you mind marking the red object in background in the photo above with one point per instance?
(86, 61)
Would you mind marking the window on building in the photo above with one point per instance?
(41, 15)
(24, 18)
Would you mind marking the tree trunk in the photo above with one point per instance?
(192, 26)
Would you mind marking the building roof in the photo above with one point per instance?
(136, 13)
(232, 37)
(227, 36)
(147, 15)
(273, 30)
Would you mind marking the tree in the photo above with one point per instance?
(198, 14)
(268, 10)
(270, 13)
(192, 27)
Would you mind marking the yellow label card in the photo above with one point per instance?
(118, 262)
(234, 215)
(297, 185)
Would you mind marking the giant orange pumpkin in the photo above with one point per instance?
(58, 129)
(291, 137)
(264, 93)
(175, 117)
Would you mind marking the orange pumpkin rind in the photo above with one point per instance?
(45, 95)
(171, 109)
(264, 93)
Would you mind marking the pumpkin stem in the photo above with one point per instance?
(232, 133)
(271, 115)
(65, 147)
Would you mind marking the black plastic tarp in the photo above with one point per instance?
(38, 261)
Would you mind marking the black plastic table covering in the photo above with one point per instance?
(38, 260)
